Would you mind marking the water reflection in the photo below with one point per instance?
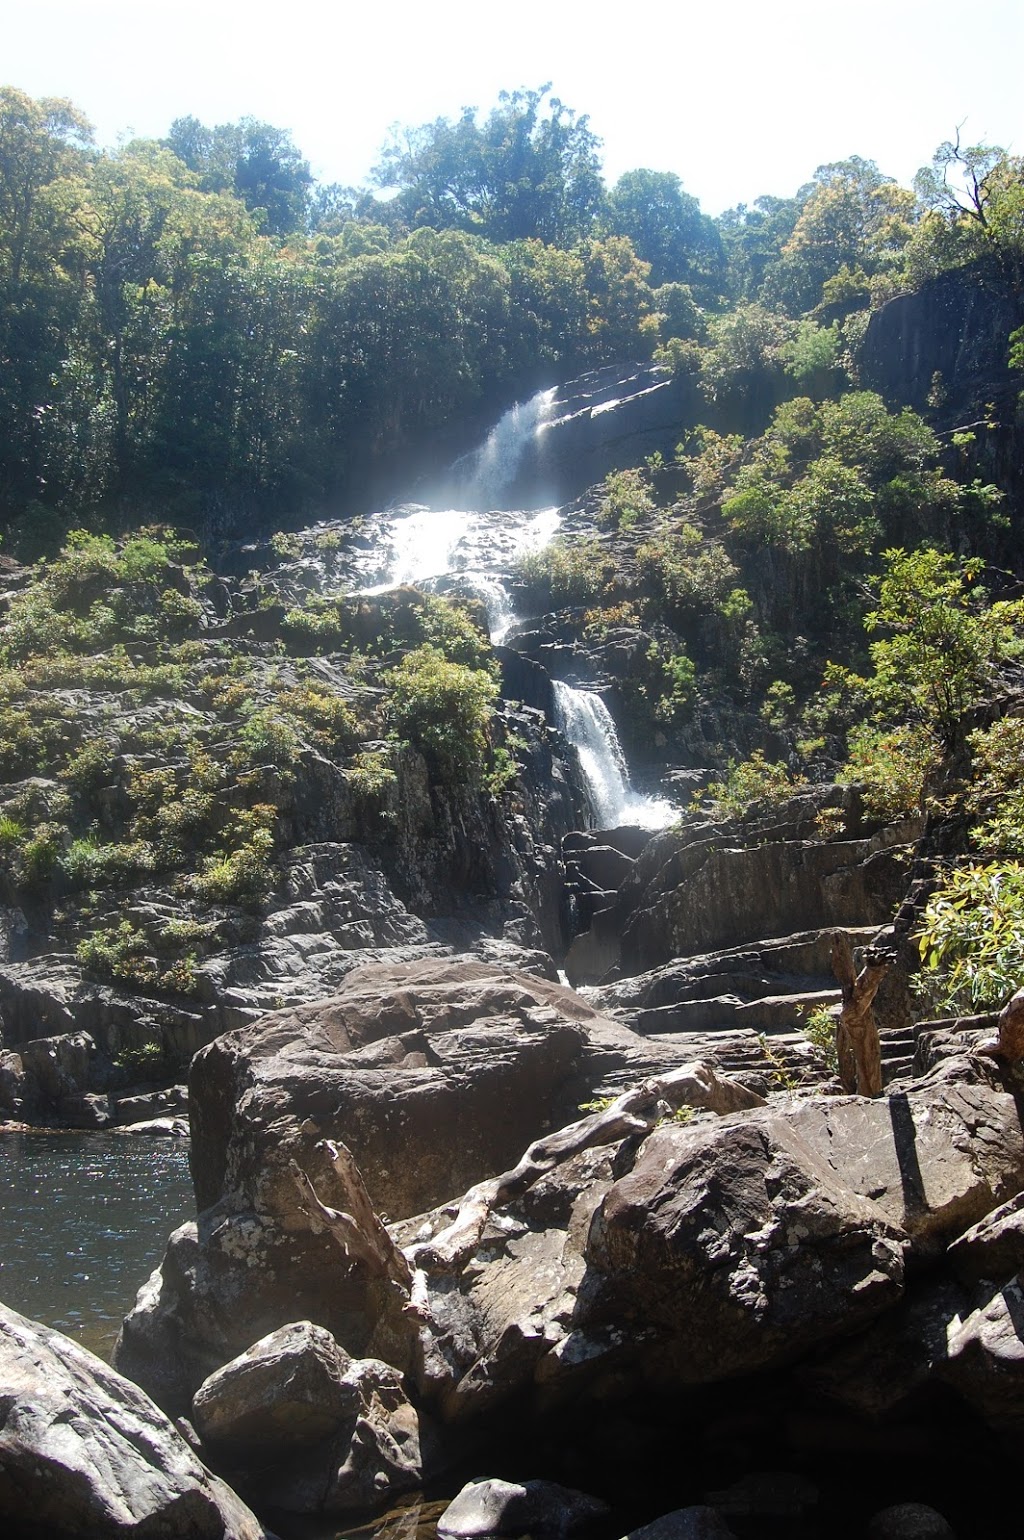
(83, 1221)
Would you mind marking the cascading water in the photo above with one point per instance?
(472, 547)
(587, 723)
(483, 478)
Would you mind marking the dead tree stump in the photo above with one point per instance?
(858, 1047)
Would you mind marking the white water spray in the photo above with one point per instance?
(484, 476)
(587, 723)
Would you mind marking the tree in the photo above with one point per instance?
(524, 173)
(945, 646)
(42, 143)
(666, 228)
(254, 160)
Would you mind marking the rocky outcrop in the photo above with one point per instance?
(84, 1452)
(702, 888)
(488, 1057)
(304, 1428)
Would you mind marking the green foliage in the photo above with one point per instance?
(691, 573)
(244, 875)
(268, 738)
(371, 774)
(754, 782)
(893, 766)
(971, 938)
(566, 571)
(995, 794)
(90, 863)
(445, 709)
(626, 497)
(819, 1028)
(946, 644)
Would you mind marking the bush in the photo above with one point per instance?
(753, 780)
(445, 709)
(971, 938)
(567, 572)
(892, 767)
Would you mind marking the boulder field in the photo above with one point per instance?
(456, 1202)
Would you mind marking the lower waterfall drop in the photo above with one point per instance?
(587, 723)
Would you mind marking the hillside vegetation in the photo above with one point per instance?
(819, 581)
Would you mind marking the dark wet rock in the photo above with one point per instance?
(711, 896)
(895, 1359)
(909, 1521)
(767, 1494)
(84, 1452)
(695, 1523)
(541, 1508)
(985, 1360)
(308, 1429)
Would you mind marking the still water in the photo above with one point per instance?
(83, 1221)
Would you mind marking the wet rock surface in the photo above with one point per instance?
(84, 1452)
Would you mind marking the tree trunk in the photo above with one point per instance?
(857, 1043)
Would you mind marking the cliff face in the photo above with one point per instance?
(944, 351)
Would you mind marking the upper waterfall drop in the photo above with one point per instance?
(588, 725)
(482, 479)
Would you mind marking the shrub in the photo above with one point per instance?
(626, 497)
(997, 789)
(971, 938)
(267, 738)
(753, 780)
(243, 876)
(892, 766)
(568, 572)
(445, 709)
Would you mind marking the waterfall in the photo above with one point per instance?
(587, 723)
(483, 477)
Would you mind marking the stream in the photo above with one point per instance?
(83, 1222)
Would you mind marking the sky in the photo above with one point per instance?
(738, 98)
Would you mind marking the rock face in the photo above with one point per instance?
(85, 1452)
(732, 1247)
(308, 1429)
(709, 888)
(405, 1051)
(493, 1057)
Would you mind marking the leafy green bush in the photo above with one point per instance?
(892, 765)
(567, 571)
(445, 709)
(626, 497)
(996, 793)
(268, 738)
(243, 876)
(971, 938)
(754, 780)
(88, 863)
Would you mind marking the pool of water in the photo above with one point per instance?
(83, 1221)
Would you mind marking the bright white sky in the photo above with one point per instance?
(738, 97)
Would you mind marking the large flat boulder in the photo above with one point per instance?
(935, 1157)
(732, 1247)
(85, 1452)
(433, 1073)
